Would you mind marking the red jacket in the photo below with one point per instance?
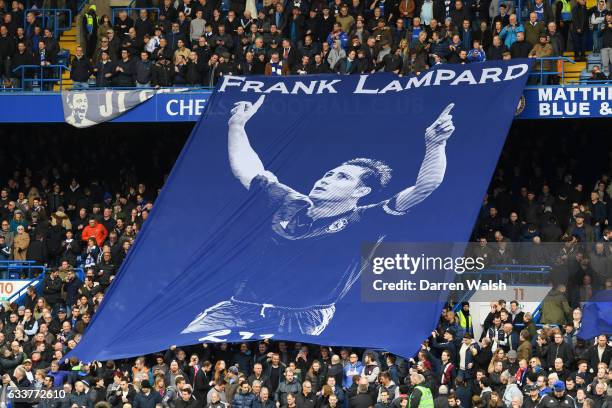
(98, 231)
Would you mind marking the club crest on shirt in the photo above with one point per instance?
(338, 225)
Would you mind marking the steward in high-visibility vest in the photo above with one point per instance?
(421, 396)
(566, 10)
(465, 319)
(89, 30)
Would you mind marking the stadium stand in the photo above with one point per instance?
(72, 203)
(193, 43)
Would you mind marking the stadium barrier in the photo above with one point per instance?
(52, 18)
(23, 274)
(131, 10)
(560, 71)
(541, 74)
(33, 77)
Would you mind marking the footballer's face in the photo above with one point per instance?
(340, 184)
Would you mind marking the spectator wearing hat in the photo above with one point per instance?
(512, 365)
(21, 242)
(18, 219)
(541, 50)
(558, 398)
(147, 397)
(465, 319)
(80, 396)
(580, 229)
(532, 400)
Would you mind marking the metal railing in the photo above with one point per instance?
(542, 73)
(131, 10)
(33, 279)
(16, 269)
(20, 269)
(33, 76)
(591, 82)
(51, 19)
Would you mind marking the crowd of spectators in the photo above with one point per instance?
(544, 208)
(80, 201)
(194, 42)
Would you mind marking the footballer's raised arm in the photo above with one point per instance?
(433, 167)
(244, 161)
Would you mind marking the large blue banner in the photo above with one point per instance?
(597, 316)
(259, 229)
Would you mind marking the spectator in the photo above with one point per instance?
(104, 70)
(90, 30)
(495, 52)
(555, 307)
(286, 387)
(580, 27)
(541, 50)
(95, 230)
(597, 75)
(533, 29)
(521, 49)
(476, 54)
(543, 11)
(606, 45)
(123, 77)
(276, 66)
(509, 34)
(148, 398)
(21, 243)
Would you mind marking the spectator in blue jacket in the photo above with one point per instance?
(508, 33)
(477, 54)
(244, 398)
(354, 367)
(59, 376)
(337, 34)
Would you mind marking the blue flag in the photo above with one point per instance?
(258, 231)
(597, 316)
